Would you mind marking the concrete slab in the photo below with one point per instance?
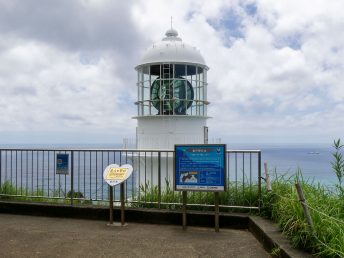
(30, 236)
(270, 235)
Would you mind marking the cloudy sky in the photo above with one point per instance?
(67, 67)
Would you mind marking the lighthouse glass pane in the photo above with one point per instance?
(145, 71)
(201, 91)
(191, 70)
(142, 93)
(146, 84)
(139, 75)
(155, 70)
(179, 70)
(200, 74)
(146, 91)
(153, 77)
(139, 92)
(167, 71)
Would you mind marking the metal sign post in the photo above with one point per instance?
(114, 175)
(184, 209)
(111, 204)
(217, 212)
(122, 205)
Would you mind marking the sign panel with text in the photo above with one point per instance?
(62, 164)
(200, 167)
(115, 174)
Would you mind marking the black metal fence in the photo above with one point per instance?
(30, 175)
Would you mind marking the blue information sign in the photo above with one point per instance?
(200, 167)
(62, 164)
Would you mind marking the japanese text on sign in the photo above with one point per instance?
(200, 167)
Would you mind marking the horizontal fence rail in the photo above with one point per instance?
(30, 175)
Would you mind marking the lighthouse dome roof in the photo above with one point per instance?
(172, 49)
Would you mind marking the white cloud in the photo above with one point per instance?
(276, 67)
(44, 88)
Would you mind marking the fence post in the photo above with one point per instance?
(159, 179)
(259, 180)
(267, 177)
(72, 178)
(304, 205)
(0, 167)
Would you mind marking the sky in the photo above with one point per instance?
(67, 67)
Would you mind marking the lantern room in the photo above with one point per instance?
(172, 79)
(171, 94)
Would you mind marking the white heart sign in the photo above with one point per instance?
(115, 174)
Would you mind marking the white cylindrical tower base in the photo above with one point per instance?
(156, 132)
(153, 170)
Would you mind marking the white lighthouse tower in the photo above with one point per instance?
(172, 95)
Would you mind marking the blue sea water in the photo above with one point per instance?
(314, 160)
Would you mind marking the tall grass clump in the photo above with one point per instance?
(326, 207)
(338, 165)
(6, 190)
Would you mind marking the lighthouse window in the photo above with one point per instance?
(146, 93)
(191, 70)
(179, 70)
(145, 71)
(155, 70)
(171, 89)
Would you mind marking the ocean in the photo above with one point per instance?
(314, 160)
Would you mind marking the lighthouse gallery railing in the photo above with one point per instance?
(30, 175)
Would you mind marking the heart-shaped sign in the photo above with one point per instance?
(115, 174)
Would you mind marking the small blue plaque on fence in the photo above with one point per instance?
(62, 164)
(200, 167)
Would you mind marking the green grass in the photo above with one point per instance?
(282, 206)
(326, 206)
(238, 194)
(7, 189)
(9, 192)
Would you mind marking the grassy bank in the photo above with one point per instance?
(326, 206)
(323, 235)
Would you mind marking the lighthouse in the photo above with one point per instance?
(171, 95)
